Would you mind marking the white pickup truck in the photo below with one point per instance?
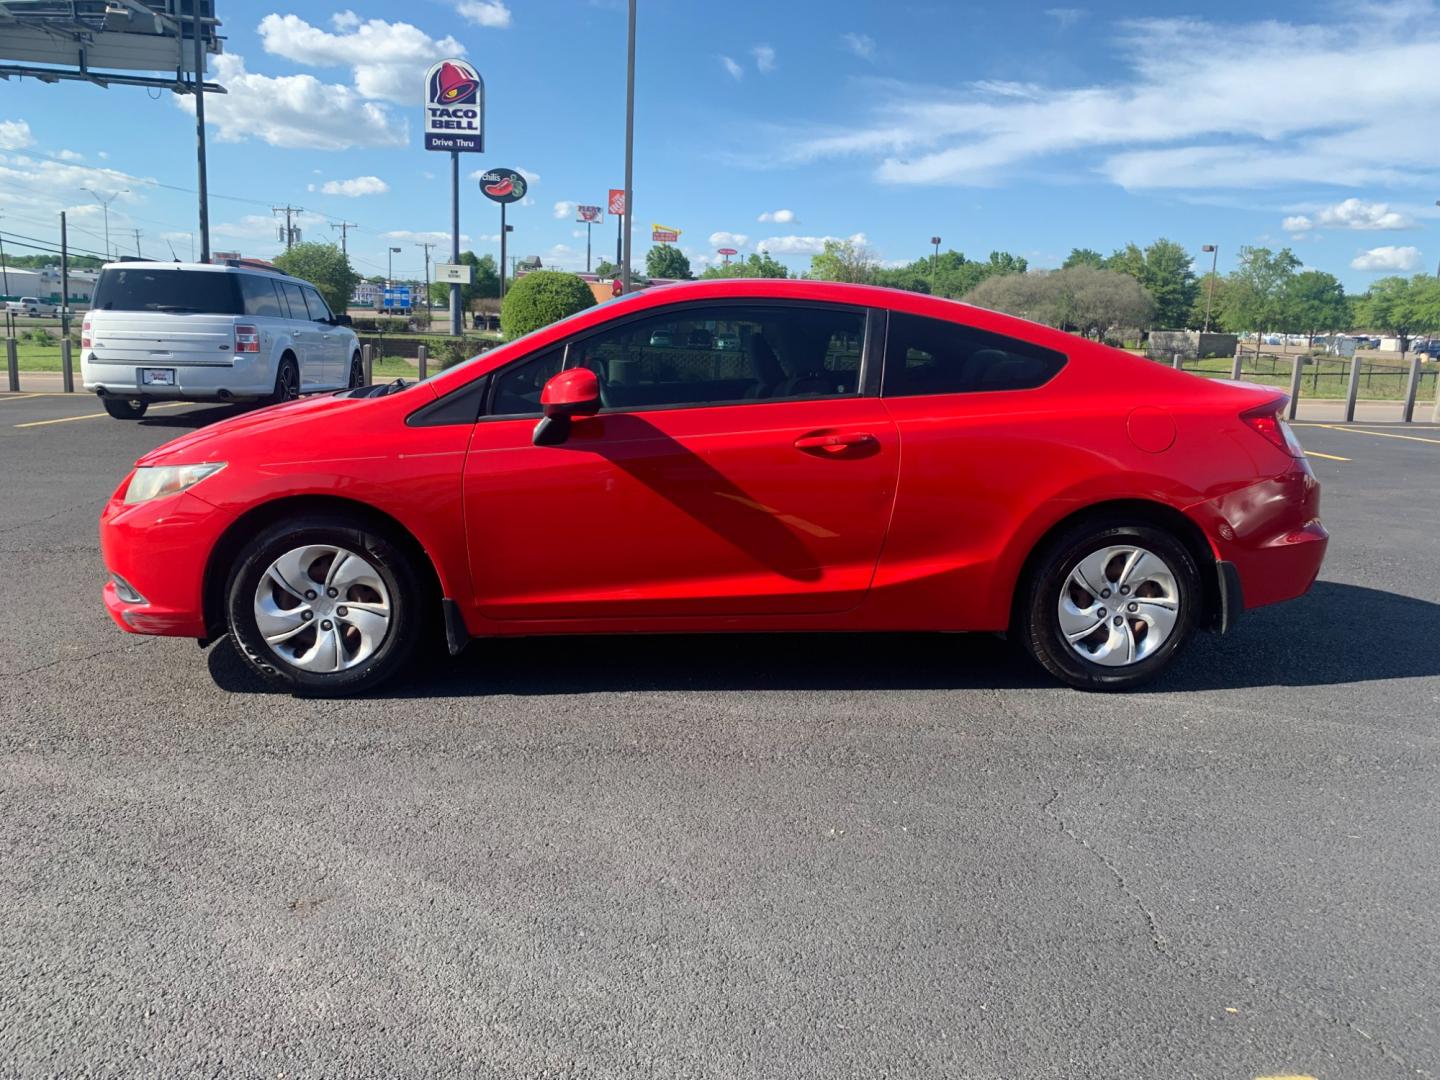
(29, 305)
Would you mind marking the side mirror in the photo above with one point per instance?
(570, 394)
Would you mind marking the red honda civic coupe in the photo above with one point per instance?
(741, 455)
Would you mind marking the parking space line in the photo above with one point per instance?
(96, 415)
(36, 393)
(1378, 434)
(1327, 457)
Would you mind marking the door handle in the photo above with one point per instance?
(835, 443)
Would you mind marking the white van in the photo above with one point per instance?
(160, 331)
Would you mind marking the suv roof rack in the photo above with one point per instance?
(252, 264)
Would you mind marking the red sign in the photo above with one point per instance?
(617, 200)
(726, 251)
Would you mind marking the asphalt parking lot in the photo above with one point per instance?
(719, 857)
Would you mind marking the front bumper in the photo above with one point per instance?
(160, 548)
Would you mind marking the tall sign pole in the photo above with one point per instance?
(454, 121)
(1214, 250)
(200, 134)
(503, 186)
(629, 153)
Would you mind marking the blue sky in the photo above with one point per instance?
(1033, 128)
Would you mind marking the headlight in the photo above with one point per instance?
(156, 481)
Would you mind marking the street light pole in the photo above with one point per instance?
(934, 261)
(390, 265)
(1214, 250)
(105, 205)
(1437, 274)
(629, 154)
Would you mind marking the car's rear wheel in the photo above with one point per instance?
(324, 605)
(287, 381)
(1110, 604)
(126, 408)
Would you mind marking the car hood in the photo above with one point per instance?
(273, 423)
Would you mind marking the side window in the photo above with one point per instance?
(933, 356)
(316, 303)
(517, 388)
(260, 296)
(294, 299)
(726, 354)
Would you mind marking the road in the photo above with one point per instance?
(722, 857)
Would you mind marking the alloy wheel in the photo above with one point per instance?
(1119, 605)
(322, 608)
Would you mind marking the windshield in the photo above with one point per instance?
(198, 292)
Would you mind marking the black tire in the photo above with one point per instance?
(287, 381)
(357, 372)
(407, 603)
(1038, 616)
(125, 408)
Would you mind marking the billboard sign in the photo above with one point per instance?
(397, 296)
(590, 215)
(663, 234)
(454, 107)
(503, 186)
(617, 200)
(727, 252)
(453, 273)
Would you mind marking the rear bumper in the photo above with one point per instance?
(248, 377)
(1270, 535)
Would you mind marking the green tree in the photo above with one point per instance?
(605, 268)
(754, 266)
(1209, 304)
(1313, 301)
(542, 298)
(1127, 260)
(843, 260)
(1083, 257)
(1254, 293)
(1402, 307)
(1087, 299)
(1169, 278)
(950, 274)
(324, 266)
(664, 261)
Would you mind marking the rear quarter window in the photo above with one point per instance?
(934, 356)
(179, 292)
(261, 297)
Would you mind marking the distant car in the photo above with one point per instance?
(962, 470)
(30, 305)
(727, 342)
(210, 332)
(700, 338)
(1274, 339)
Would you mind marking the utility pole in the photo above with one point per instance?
(344, 227)
(64, 279)
(137, 245)
(629, 152)
(5, 284)
(290, 234)
(1214, 250)
(200, 132)
(105, 205)
(425, 296)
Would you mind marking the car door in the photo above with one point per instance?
(714, 482)
(329, 340)
(304, 338)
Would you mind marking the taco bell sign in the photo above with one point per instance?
(454, 107)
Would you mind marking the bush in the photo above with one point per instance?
(540, 299)
(448, 351)
(382, 324)
(39, 336)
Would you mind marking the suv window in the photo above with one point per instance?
(294, 299)
(186, 292)
(260, 296)
(517, 388)
(318, 311)
(933, 356)
(723, 353)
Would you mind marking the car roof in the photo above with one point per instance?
(229, 267)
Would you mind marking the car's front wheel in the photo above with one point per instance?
(357, 372)
(1110, 604)
(126, 408)
(324, 605)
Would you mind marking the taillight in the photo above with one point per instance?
(85, 333)
(247, 339)
(1268, 420)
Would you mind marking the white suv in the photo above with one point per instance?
(161, 331)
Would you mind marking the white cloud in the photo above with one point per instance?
(360, 185)
(728, 239)
(293, 111)
(387, 60)
(70, 155)
(37, 188)
(779, 217)
(1354, 214)
(1167, 117)
(764, 58)
(806, 245)
(862, 45)
(1065, 17)
(263, 230)
(1387, 258)
(736, 71)
(407, 236)
(1297, 224)
(490, 13)
(533, 177)
(564, 209)
(15, 135)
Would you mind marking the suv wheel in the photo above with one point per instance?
(324, 605)
(125, 408)
(1110, 604)
(287, 381)
(357, 372)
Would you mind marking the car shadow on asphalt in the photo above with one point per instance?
(1294, 644)
(193, 418)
